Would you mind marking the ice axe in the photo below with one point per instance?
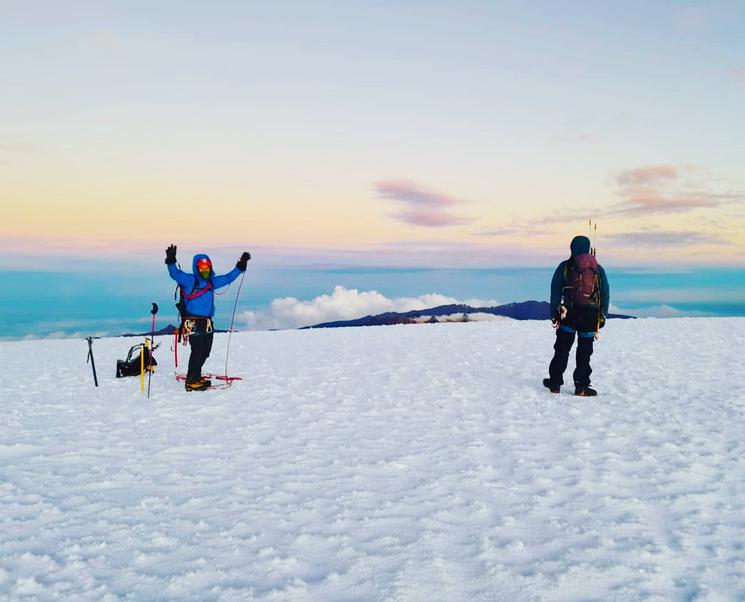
(90, 357)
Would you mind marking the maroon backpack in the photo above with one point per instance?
(582, 281)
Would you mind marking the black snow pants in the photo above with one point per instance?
(582, 322)
(200, 342)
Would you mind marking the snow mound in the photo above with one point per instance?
(389, 463)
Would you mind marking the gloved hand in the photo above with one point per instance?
(601, 321)
(241, 265)
(171, 254)
(559, 314)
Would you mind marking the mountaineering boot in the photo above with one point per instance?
(585, 392)
(197, 385)
(551, 386)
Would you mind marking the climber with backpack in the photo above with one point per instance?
(580, 295)
(197, 308)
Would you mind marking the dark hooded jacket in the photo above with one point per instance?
(579, 246)
(200, 305)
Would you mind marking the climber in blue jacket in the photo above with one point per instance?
(197, 307)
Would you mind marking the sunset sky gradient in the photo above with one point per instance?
(405, 133)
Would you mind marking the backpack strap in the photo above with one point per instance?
(131, 351)
(567, 264)
(198, 292)
(183, 297)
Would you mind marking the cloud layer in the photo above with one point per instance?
(421, 206)
(645, 176)
(664, 238)
(656, 311)
(343, 304)
(655, 189)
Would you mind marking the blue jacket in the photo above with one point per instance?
(580, 245)
(201, 305)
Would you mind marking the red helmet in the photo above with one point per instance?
(204, 264)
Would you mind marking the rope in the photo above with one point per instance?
(232, 319)
(224, 292)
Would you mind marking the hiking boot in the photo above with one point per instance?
(198, 385)
(551, 386)
(585, 392)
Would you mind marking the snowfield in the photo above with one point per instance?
(421, 462)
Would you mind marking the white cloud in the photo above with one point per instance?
(61, 334)
(343, 304)
(482, 317)
(655, 311)
(472, 317)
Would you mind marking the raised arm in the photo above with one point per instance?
(179, 276)
(240, 267)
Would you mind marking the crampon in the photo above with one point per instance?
(223, 381)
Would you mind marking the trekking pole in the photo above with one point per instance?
(175, 348)
(90, 357)
(232, 319)
(153, 311)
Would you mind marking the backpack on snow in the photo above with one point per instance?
(582, 281)
(131, 365)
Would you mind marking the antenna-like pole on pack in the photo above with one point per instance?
(594, 239)
(593, 230)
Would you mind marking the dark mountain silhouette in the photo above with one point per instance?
(167, 331)
(525, 310)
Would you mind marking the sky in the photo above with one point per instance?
(399, 134)
(475, 132)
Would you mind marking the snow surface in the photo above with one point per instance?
(420, 462)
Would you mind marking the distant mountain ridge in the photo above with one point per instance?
(167, 331)
(524, 310)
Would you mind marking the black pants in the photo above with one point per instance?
(200, 342)
(580, 322)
